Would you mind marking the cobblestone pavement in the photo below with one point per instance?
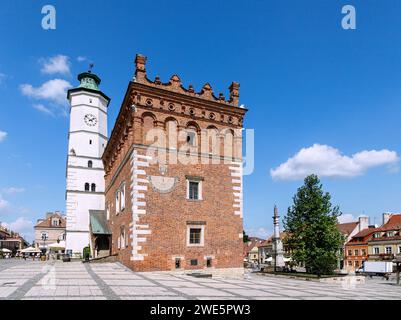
(76, 280)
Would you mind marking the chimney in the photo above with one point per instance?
(140, 65)
(363, 223)
(234, 93)
(48, 214)
(386, 217)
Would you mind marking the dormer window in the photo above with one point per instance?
(55, 222)
(390, 233)
(377, 235)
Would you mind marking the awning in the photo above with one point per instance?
(57, 245)
(98, 222)
(31, 250)
(5, 250)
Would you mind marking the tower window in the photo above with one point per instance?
(90, 163)
(209, 262)
(90, 141)
(194, 262)
(86, 186)
(93, 187)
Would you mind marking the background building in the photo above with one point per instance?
(348, 230)
(50, 230)
(385, 242)
(251, 252)
(11, 240)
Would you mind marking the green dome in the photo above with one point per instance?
(89, 80)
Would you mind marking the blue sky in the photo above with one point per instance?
(308, 84)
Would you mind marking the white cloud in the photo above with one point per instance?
(58, 64)
(258, 232)
(82, 59)
(53, 90)
(3, 135)
(40, 107)
(327, 161)
(23, 226)
(3, 203)
(13, 190)
(345, 218)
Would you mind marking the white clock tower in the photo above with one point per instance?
(87, 139)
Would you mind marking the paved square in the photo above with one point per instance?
(35, 280)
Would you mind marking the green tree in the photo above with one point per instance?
(312, 234)
(245, 237)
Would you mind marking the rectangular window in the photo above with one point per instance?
(117, 201)
(193, 190)
(389, 250)
(376, 250)
(363, 252)
(350, 252)
(209, 262)
(350, 263)
(121, 239)
(122, 191)
(356, 263)
(194, 262)
(357, 252)
(195, 235)
(107, 211)
(178, 263)
(399, 249)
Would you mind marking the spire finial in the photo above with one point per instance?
(91, 65)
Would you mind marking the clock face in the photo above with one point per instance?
(90, 120)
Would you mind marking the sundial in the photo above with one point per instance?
(162, 184)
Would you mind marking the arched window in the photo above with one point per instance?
(86, 186)
(90, 163)
(93, 187)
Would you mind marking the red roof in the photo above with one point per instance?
(47, 223)
(347, 228)
(269, 241)
(394, 223)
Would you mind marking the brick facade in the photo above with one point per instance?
(151, 176)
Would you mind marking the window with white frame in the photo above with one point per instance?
(194, 188)
(121, 238)
(389, 250)
(122, 193)
(399, 249)
(117, 201)
(55, 222)
(376, 250)
(195, 235)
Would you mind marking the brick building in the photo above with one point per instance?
(173, 177)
